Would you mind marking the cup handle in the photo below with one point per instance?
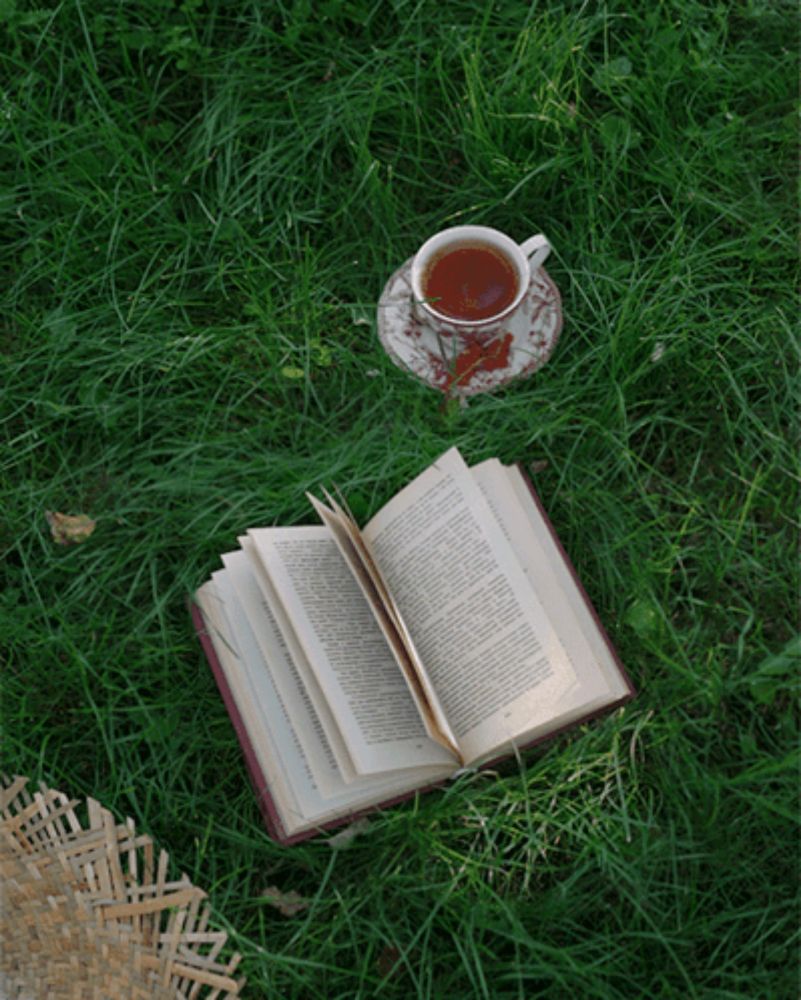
(536, 249)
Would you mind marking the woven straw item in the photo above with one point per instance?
(87, 911)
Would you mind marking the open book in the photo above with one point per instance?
(359, 666)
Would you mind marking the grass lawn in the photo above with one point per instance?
(200, 204)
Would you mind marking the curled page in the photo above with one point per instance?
(347, 536)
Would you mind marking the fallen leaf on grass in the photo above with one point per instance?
(289, 904)
(67, 529)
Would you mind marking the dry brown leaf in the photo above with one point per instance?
(67, 529)
(289, 904)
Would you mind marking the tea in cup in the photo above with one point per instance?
(470, 278)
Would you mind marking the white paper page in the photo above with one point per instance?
(495, 660)
(295, 698)
(496, 488)
(600, 681)
(271, 730)
(543, 551)
(346, 534)
(259, 704)
(307, 676)
(361, 681)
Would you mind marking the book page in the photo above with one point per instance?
(538, 565)
(558, 587)
(300, 662)
(273, 730)
(346, 534)
(363, 685)
(493, 657)
(322, 763)
(257, 701)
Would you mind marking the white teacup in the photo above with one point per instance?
(524, 259)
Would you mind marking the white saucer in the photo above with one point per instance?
(522, 346)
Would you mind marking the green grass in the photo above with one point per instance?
(200, 204)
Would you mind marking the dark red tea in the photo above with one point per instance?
(470, 281)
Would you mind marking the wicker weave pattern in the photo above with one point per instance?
(87, 912)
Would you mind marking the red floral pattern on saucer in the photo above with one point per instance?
(465, 365)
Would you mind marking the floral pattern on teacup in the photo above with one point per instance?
(463, 361)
